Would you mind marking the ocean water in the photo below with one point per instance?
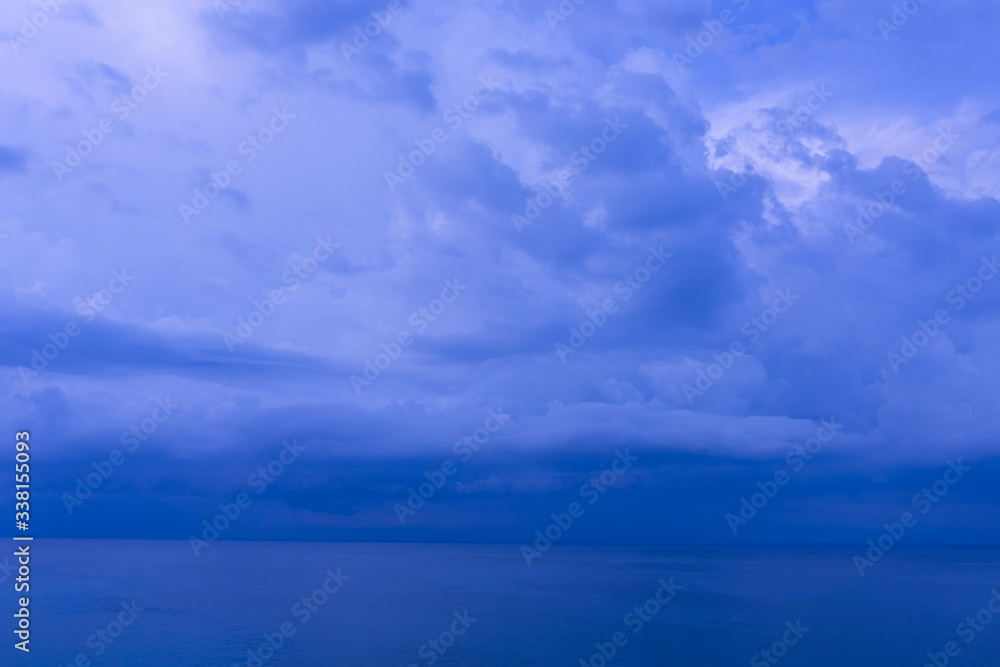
(482, 605)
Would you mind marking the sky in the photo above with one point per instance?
(492, 248)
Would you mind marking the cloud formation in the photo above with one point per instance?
(822, 191)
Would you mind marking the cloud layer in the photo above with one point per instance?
(693, 233)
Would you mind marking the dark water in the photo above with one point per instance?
(733, 602)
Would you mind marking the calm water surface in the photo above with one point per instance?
(732, 603)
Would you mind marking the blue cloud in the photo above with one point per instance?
(816, 235)
(13, 159)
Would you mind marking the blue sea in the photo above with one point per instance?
(377, 604)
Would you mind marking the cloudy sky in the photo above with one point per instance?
(692, 231)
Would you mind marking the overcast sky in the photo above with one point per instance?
(281, 227)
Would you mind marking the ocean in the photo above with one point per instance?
(154, 603)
